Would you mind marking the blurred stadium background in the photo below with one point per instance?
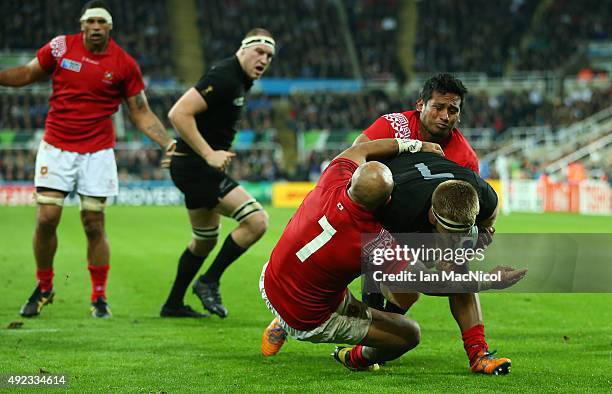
(539, 114)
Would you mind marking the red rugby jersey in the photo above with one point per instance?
(407, 124)
(87, 90)
(319, 252)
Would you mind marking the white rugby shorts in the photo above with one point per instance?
(90, 174)
(349, 324)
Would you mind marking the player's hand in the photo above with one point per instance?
(432, 147)
(485, 237)
(170, 148)
(219, 159)
(508, 276)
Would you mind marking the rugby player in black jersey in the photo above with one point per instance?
(434, 194)
(205, 118)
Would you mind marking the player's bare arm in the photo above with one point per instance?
(508, 276)
(379, 149)
(386, 148)
(182, 115)
(426, 146)
(146, 121)
(22, 75)
(361, 139)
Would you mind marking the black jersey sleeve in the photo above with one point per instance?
(215, 88)
(488, 199)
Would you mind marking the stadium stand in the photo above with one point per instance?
(325, 39)
(310, 42)
(374, 25)
(562, 32)
(455, 35)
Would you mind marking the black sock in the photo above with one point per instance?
(188, 266)
(391, 307)
(229, 253)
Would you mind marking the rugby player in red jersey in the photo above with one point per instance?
(91, 74)
(304, 284)
(435, 118)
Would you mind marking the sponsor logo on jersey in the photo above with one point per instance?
(58, 46)
(71, 65)
(44, 170)
(208, 89)
(399, 123)
(239, 101)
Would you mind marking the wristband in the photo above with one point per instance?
(406, 145)
(169, 146)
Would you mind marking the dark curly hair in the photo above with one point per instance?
(443, 83)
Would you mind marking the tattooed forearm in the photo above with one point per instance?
(157, 133)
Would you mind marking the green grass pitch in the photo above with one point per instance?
(558, 342)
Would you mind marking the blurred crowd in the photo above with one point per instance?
(475, 36)
(310, 40)
(374, 27)
(316, 37)
(560, 34)
(23, 112)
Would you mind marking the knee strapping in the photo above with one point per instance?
(91, 204)
(246, 209)
(42, 199)
(206, 233)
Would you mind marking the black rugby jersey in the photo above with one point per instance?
(416, 176)
(224, 88)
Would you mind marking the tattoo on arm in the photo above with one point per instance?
(140, 101)
(156, 131)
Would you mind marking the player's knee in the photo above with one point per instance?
(259, 223)
(93, 225)
(252, 217)
(47, 221)
(412, 334)
(256, 224)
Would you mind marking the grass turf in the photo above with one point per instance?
(558, 342)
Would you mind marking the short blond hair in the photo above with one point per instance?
(258, 31)
(456, 200)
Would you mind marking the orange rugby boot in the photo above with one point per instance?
(273, 338)
(487, 364)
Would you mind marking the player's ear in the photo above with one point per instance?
(420, 104)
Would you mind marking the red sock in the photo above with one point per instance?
(356, 358)
(98, 274)
(45, 278)
(474, 341)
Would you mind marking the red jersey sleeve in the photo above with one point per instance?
(473, 164)
(338, 173)
(379, 129)
(133, 83)
(48, 54)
